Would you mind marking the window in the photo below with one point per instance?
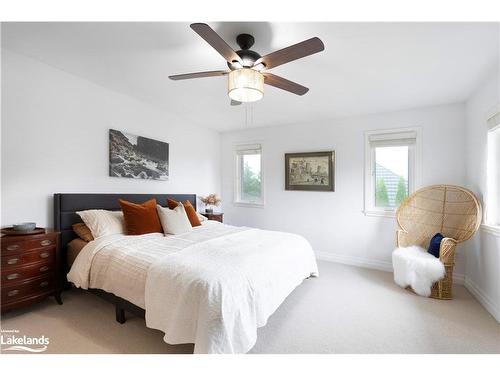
(249, 186)
(390, 169)
(492, 206)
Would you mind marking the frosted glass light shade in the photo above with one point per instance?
(245, 85)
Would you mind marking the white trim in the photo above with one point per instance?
(491, 212)
(248, 204)
(494, 128)
(382, 213)
(458, 278)
(414, 172)
(355, 261)
(491, 112)
(491, 229)
(483, 298)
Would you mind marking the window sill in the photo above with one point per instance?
(491, 229)
(375, 213)
(248, 204)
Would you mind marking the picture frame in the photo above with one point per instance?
(138, 157)
(310, 171)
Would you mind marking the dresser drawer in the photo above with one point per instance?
(37, 286)
(16, 275)
(17, 247)
(14, 261)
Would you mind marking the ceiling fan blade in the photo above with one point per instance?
(212, 73)
(284, 84)
(297, 51)
(235, 102)
(212, 38)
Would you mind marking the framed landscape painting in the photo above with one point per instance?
(310, 171)
(134, 156)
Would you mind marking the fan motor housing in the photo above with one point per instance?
(245, 41)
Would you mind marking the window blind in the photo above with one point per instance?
(248, 149)
(494, 121)
(393, 139)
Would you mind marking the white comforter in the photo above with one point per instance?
(212, 287)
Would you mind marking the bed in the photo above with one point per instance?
(213, 286)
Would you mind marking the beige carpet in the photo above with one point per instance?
(345, 310)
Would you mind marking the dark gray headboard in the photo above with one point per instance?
(66, 206)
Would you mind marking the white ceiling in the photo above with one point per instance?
(365, 68)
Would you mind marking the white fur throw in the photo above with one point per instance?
(415, 267)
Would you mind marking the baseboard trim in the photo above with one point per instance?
(483, 298)
(355, 261)
(458, 278)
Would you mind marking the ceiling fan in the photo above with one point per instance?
(248, 71)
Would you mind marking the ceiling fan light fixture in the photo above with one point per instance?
(245, 85)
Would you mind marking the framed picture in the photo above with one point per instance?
(134, 156)
(310, 171)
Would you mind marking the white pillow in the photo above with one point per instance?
(174, 221)
(201, 217)
(103, 222)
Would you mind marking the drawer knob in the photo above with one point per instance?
(46, 242)
(13, 247)
(13, 261)
(13, 293)
(44, 284)
(13, 276)
(44, 268)
(44, 255)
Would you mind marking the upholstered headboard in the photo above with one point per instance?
(66, 206)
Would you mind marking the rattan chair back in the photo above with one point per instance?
(451, 210)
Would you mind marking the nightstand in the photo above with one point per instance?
(217, 216)
(30, 269)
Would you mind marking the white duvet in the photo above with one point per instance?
(213, 286)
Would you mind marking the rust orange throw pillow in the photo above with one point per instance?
(141, 218)
(190, 211)
(83, 232)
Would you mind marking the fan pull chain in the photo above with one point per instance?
(248, 115)
(251, 112)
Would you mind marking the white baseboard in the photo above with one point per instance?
(483, 298)
(371, 264)
(355, 261)
(458, 278)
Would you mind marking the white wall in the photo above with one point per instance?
(334, 222)
(483, 250)
(55, 139)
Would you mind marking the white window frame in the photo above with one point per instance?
(239, 150)
(398, 137)
(491, 225)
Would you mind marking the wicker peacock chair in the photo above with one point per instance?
(451, 210)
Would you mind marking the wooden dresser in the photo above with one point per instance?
(30, 269)
(217, 216)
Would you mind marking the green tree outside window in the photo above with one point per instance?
(402, 192)
(251, 183)
(381, 196)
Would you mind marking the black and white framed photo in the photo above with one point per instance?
(310, 171)
(134, 156)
